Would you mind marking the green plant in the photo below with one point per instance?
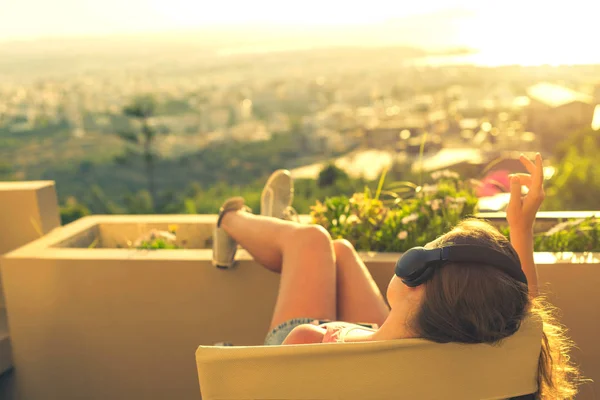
(411, 215)
(72, 210)
(399, 217)
(330, 174)
(580, 235)
(576, 183)
(158, 240)
(157, 244)
(572, 235)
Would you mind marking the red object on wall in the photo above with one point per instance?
(495, 182)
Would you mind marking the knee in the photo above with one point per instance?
(343, 248)
(312, 236)
(305, 334)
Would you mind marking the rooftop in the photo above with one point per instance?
(366, 163)
(555, 95)
(447, 157)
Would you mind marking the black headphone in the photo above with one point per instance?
(417, 265)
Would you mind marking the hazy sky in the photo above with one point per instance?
(516, 28)
(35, 18)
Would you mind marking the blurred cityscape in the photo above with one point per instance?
(226, 115)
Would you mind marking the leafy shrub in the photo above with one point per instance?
(158, 240)
(576, 184)
(72, 211)
(394, 220)
(330, 174)
(390, 221)
(575, 235)
(157, 244)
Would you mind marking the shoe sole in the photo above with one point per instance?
(222, 266)
(230, 264)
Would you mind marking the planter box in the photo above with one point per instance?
(108, 323)
(28, 210)
(118, 323)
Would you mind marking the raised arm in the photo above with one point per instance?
(521, 212)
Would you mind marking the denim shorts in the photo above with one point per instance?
(280, 332)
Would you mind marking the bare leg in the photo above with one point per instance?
(308, 273)
(358, 297)
(260, 243)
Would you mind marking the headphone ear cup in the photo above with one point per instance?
(422, 278)
(411, 261)
(417, 264)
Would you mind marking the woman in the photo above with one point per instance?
(325, 280)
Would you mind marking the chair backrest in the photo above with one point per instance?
(397, 369)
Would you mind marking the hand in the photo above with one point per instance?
(521, 211)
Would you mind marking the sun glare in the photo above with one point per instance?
(514, 32)
(309, 12)
(525, 32)
(596, 121)
(533, 33)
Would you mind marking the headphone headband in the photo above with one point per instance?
(418, 264)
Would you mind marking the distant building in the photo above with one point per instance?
(469, 123)
(279, 122)
(462, 160)
(501, 97)
(387, 135)
(337, 117)
(368, 164)
(244, 110)
(218, 118)
(556, 111)
(178, 124)
(331, 141)
(438, 122)
(250, 131)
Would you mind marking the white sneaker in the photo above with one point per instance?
(277, 195)
(224, 247)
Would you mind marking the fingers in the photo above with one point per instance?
(514, 203)
(527, 164)
(524, 179)
(539, 168)
(536, 171)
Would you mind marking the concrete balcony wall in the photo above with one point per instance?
(28, 210)
(100, 323)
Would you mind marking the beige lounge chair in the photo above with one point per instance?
(398, 369)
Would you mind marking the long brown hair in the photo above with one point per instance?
(481, 304)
